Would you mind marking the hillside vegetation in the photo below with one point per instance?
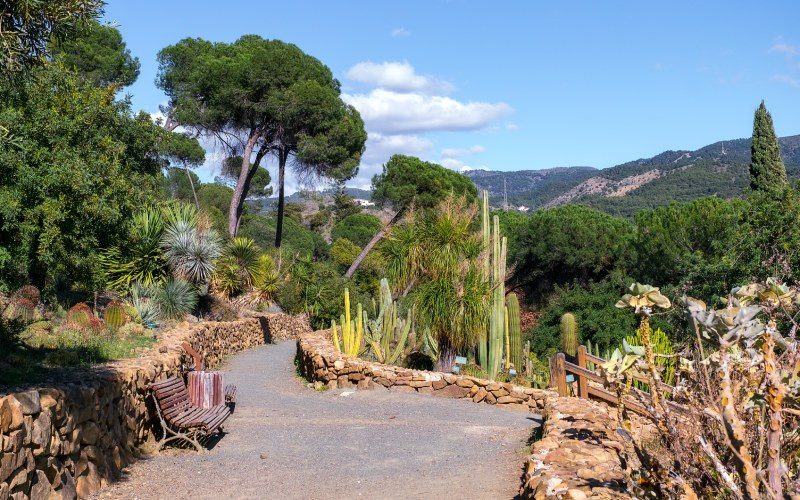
(719, 169)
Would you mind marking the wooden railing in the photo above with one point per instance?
(561, 369)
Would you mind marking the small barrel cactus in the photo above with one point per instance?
(569, 334)
(114, 315)
(79, 315)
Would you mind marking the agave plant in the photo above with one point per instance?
(175, 298)
(142, 302)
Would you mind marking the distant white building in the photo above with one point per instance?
(523, 208)
(363, 202)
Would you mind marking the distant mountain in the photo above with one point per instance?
(719, 169)
(299, 196)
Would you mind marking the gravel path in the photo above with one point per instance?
(288, 441)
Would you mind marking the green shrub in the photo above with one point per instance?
(296, 237)
(358, 228)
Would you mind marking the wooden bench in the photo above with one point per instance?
(230, 393)
(180, 419)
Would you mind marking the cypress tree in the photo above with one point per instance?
(767, 172)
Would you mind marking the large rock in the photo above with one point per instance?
(451, 391)
(29, 400)
(11, 415)
(41, 486)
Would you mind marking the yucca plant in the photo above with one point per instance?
(264, 286)
(191, 254)
(175, 298)
(141, 260)
(441, 260)
(189, 247)
(237, 268)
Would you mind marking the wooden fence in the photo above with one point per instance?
(561, 369)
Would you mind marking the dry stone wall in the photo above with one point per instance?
(321, 362)
(578, 456)
(70, 438)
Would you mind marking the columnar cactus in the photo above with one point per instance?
(352, 329)
(569, 334)
(497, 316)
(514, 332)
(483, 353)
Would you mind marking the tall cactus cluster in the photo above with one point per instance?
(352, 329)
(387, 329)
(497, 314)
(569, 334)
(387, 335)
(504, 337)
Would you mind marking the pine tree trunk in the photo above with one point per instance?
(191, 183)
(374, 241)
(240, 193)
(282, 156)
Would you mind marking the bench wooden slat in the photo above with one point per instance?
(230, 392)
(170, 382)
(176, 410)
(178, 397)
(184, 419)
(218, 421)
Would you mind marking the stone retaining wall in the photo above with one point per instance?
(321, 362)
(576, 458)
(578, 455)
(72, 437)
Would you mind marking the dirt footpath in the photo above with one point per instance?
(288, 441)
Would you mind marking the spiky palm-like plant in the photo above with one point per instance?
(191, 253)
(264, 285)
(441, 261)
(141, 260)
(175, 298)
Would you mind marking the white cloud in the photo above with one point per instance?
(398, 76)
(512, 126)
(788, 80)
(785, 48)
(386, 111)
(457, 152)
(401, 31)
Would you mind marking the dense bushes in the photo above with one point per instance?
(75, 164)
(358, 228)
(296, 237)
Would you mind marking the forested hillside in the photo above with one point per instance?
(719, 169)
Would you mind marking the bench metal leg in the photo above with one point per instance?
(166, 430)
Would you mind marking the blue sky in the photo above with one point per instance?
(518, 85)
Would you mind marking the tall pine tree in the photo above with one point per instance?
(767, 172)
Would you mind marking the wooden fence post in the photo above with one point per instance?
(583, 382)
(558, 373)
